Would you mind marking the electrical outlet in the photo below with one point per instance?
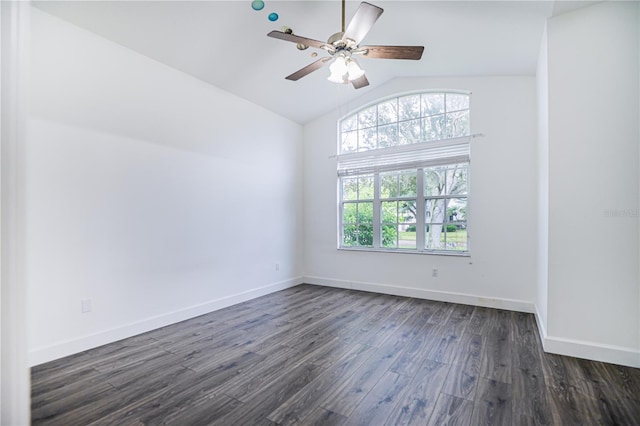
(434, 272)
(85, 305)
(277, 266)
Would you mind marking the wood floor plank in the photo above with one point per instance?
(364, 323)
(501, 319)
(492, 404)
(306, 400)
(447, 337)
(461, 312)
(60, 368)
(560, 371)
(615, 402)
(618, 410)
(297, 334)
(327, 352)
(304, 314)
(322, 417)
(188, 387)
(621, 379)
(78, 405)
(496, 359)
(318, 355)
(450, 410)
(143, 372)
(441, 312)
(59, 384)
(412, 328)
(530, 395)
(270, 396)
(138, 391)
(200, 411)
(479, 321)
(352, 390)
(371, 323)
(240, 385)
(377, 405)
(463, 378)
(184, 341)
(387, 328)
(328, 326)
(343, 302)
(569, 410)
(422, 394)
(412, 357)
(207, 357)
(274, 381)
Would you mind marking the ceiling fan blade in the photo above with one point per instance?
(393, 52)
(297, 39)
(362, 21)
(308, 69)
(360, 82)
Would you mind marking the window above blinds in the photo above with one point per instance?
(406, 120)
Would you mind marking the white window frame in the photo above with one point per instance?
(418, 156)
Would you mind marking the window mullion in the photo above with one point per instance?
(340, 213)
(420, 225)
(377, 205)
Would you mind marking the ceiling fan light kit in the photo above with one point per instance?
(343, 45)
(353, 70)
(344, 70)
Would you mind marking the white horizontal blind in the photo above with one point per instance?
(423, 154)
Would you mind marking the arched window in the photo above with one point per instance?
(403, 169)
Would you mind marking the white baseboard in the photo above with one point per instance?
(575, 348)
(442, 296)
(593, 351)
(69, 347)
(586, 350)
(542, 328)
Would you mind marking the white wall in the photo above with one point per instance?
(157, 196)
(503, 215)
(129, 166)
(542, 84)
(593, 65)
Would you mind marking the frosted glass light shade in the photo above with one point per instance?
(354, 70)
(338, 70)
(337, 79)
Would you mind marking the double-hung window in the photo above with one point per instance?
(403, 170)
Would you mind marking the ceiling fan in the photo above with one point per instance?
(345, 45)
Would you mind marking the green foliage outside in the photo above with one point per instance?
(358, 228)
(389, 235)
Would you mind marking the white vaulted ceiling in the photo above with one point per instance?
(224, 43)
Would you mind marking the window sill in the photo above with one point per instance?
(408, 251)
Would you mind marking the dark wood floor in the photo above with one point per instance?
(317, 355)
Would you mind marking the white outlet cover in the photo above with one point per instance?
(85, 305)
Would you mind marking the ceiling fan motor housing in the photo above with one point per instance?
(336, 39)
